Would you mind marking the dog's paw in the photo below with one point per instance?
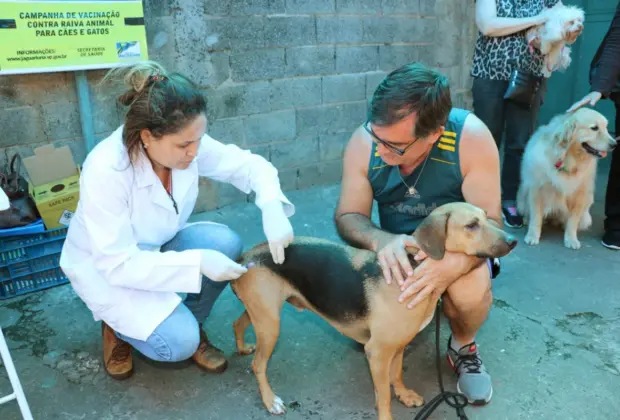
(532, 239)
(410, 398)
(277, 406)
(571, 243)
(246, 350)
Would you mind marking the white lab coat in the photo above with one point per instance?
(111, 253)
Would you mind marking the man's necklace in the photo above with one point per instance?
(411, 190)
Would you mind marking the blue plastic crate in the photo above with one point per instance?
(15, 249)
(31, 262)
(32, 282)
(35, 227)
(34, 265)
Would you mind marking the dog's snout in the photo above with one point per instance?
(613, 143)
(511, 241)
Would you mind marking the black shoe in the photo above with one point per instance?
(611, 239)
(511, 217)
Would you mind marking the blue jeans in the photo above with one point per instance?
(178, 336)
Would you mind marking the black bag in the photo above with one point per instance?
(522, 88)
(23, 210)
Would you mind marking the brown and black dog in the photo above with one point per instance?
(345, 286)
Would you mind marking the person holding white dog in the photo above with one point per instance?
(605, 83)
(501, 49)
(130, 252)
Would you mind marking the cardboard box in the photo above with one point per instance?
(54, 184)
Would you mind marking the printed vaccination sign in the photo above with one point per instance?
(48, 36)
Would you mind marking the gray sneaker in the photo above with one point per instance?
(474, 380)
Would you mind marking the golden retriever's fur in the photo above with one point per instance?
(558, 171)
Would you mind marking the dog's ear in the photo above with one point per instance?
(565, 134)
(432, 233)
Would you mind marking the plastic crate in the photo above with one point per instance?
(32, 282)
(35, 227)
(25, 247)
(31, 262)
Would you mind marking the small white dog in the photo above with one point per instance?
(558, 171)
(563, 27)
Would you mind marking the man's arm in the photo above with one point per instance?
(354, 208)
(481, 174)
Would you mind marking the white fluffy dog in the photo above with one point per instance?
(558, 171)
(563, 27)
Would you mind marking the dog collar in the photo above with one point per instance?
(559, 165)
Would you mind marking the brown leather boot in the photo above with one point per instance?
(209, 357)
(117, 359)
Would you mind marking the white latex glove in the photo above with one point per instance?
(218, 267)
(277, 228)
(4, 200)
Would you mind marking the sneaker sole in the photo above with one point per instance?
(458, 388)
(511, 225)
(476, 402)
(609, 246)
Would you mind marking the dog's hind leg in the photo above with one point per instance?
(586, 220)
(408, 397)
(578, 205)
(380, 356)
(535, 217)
(239, 326)
(266, 322)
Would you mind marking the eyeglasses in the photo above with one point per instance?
(386, 144)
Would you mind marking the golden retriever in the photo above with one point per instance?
(558, 171)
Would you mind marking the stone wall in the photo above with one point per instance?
(288, 79)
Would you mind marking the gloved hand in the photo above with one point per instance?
(218, 267)
(277, 228)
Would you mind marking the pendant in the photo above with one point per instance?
(412, 192)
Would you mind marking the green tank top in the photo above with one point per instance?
(439, 182)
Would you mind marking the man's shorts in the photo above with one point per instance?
(494, 266)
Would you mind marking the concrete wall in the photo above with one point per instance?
(288, 79)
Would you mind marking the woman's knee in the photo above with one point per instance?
(209, 236)
(185, 345)
(177, 338)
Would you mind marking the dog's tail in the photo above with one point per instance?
(257, 256)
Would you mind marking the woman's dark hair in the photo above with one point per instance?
(161, 102)
(412, 88)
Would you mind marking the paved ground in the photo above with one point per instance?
(551, 344)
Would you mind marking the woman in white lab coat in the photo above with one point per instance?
(129, 251)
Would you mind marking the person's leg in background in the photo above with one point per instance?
(488, 103)
(611, 238)
(490, 106)
(520, 125)
(206, 236)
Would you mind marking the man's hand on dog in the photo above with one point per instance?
(393, 258)
(432, 277)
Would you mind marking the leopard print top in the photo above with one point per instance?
(496, 57)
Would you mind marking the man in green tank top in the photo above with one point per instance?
(415, 153)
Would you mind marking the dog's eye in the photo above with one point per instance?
(473, 225)
(594, 128)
